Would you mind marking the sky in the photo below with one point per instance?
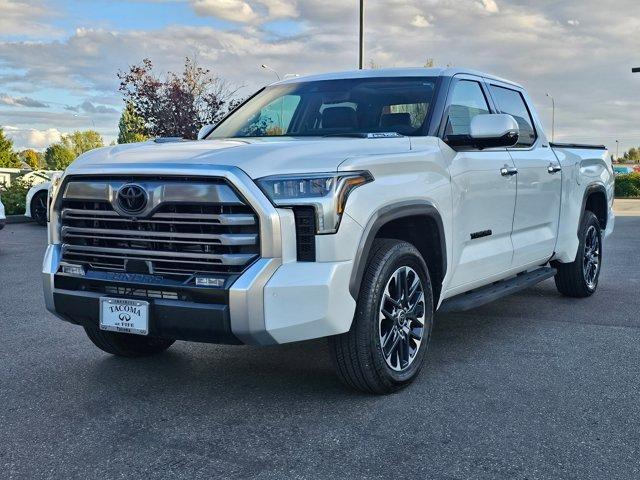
(59, 59)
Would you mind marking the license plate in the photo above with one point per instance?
(124, 316)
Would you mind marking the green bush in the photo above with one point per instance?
(628, 185)
(14, 197)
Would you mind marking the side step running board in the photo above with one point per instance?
(482, 295)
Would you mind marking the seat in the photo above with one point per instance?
(395, 119)
(339, 117)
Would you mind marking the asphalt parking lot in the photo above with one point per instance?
(536, 386)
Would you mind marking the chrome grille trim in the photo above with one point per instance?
(230, 259)
(216, 231)
(167, 237)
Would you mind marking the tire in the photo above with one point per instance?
(575, 279)
(358, 354)
(127, 345)
(39, 208)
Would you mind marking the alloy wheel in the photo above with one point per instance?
(592, 257)
(401, 319)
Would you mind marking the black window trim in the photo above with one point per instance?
(493, 83)
(423, 130)
(445, 112)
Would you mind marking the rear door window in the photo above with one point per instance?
(511, 102)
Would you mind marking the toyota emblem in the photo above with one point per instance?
(132, 199)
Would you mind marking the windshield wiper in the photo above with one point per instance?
(347, 134)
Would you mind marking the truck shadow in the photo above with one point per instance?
(213, 377)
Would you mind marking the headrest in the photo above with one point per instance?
(393, 119)
(339, 117)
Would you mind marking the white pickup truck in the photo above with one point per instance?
(349, 205)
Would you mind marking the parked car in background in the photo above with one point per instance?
(36, 204)
(3, 218)
(622, 170)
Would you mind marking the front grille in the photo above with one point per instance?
(140, 292)
(180, 237)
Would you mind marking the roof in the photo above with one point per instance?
(392, 72)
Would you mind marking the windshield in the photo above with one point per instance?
(333, 107)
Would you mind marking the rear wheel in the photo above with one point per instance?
(39, 208)
(385, 348)
(580, 278)
(127, 345)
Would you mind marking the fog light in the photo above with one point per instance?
(73, 269)
(209, 281)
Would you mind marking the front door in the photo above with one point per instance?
(535, 224)
(483, 191)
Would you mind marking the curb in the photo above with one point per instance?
(17, 219)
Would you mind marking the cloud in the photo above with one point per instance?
(233, 10)
(89, 107)
(21, 102)
(573, 23)
(489, 5)
(584, 68)
(281, 8)
(25, 18)
(420, 21)
(241, 11)
(31, 137)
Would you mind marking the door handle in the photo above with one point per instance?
(552, 168)
(508, 171)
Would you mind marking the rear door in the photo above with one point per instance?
(535, 223)
(483, 195)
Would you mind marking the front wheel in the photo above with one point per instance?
(385, 348)
(580, 278)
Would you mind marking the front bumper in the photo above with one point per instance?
(270, 303)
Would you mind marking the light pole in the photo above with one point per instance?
(361, 39)
(77, 115)
(553, 117)
(617, 149)
(267, 67)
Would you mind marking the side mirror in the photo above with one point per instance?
(494, 130)
(204, 131)
(488, 131)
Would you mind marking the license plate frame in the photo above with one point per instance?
(124, 315)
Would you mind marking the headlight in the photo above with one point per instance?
(327, 192)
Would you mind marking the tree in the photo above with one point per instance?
(176, 105)
(80, 142)
(8, 158)
(131, 126)
(32, 158)
(632, 155)
(58, 157)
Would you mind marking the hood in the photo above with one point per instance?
(257, 157)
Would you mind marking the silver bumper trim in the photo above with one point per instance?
(50, 266)
(246, 303)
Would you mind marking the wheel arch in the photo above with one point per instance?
(595, 201)
(418, 222)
